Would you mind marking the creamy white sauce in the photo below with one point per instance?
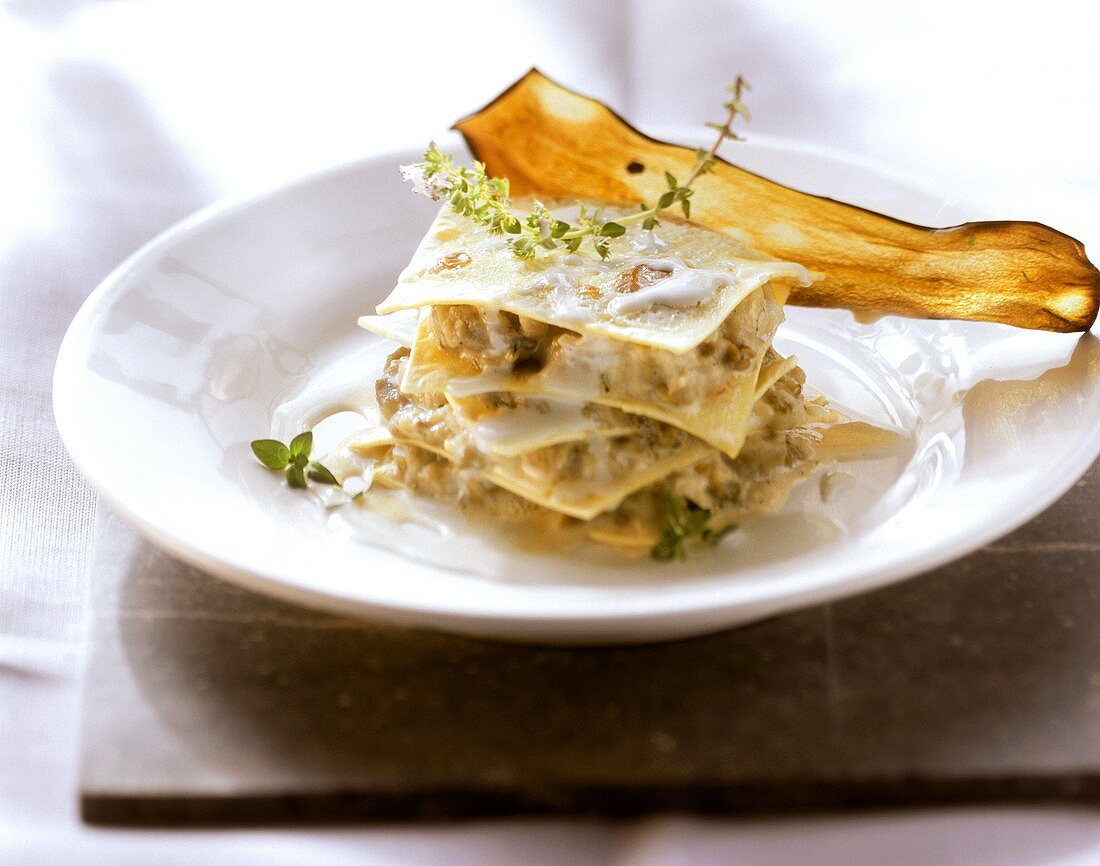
(560, 286)
(538, 421)
(646, 242)
(684, 287)
(314, 406)
(483, 383)
(574, 374)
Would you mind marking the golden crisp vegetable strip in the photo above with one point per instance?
(552, 142)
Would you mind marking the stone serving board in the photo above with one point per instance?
(980, 681)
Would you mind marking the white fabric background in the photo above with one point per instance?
(118, 118)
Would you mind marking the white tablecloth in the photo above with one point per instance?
(118, 118)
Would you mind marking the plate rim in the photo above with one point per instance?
(533, 625)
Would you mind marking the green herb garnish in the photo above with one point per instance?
(685, 522)
(472, 193)
(293, 460)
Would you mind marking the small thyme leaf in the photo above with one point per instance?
(271, 453)
(302, 444)
(319, 473)
(685, 522)
(666, 199)
(293, 460)
(612, 230)
(295, 474)
(671, 179)
(711, 536)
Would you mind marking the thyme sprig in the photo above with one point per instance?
(293, 460)
(685, 522)
(485, 200)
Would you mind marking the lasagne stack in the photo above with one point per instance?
(601, 395)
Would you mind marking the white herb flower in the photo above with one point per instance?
(417, 175)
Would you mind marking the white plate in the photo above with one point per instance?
(181, 356)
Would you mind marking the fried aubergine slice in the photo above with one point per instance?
(550, 141)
